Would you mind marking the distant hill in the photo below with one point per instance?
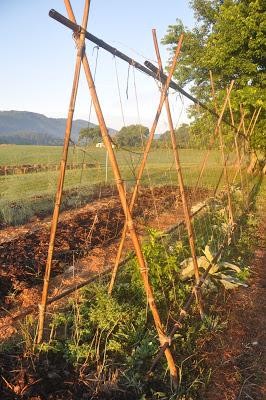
(24, 127)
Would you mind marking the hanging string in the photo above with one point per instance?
(90, 110)
(127, 80)
(119, 92)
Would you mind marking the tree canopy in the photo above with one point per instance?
(182, 137)
(131, 136)
(229, 39)
(90, 135)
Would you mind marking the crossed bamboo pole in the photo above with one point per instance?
(230, 206)
(122, 195)
(54, 223)
(238, 158)
(187, 216)
(143, 163)
(215, 134)
(248, 134)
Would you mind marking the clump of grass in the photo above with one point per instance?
(12, 213)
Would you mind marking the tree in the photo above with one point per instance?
(132, 136)
(90, 135)
(229, 39)
(182, 137)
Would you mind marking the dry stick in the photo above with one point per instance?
(216, 131)
(63, 162)
(143, 163)
(230, 207)
(127, 212)
(191, 235)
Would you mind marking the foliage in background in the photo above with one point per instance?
(132, 136)
(229, 40)
(90, 135)
(182, 137)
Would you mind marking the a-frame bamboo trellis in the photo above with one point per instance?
(128, 208)
(81, 57)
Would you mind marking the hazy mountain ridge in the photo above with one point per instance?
(25, 127)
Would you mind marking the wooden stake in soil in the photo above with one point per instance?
(181, 184)
(230, 206)
(143, 163)
(63, 162)
(121, 191)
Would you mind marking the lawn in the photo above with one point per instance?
(37, 189)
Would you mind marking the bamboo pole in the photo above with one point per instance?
(191, 235)
(214, 136)
(248, 133)
(230, 206)
(126, 209)
(63, 162)
(236, 142)
(143, 163)
(241, 123)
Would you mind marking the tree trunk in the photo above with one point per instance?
(252, 163)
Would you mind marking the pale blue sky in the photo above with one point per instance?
(38, 57)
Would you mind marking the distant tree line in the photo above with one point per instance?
(29, 138)
(136, 136)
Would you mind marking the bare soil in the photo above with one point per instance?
(86, 243)
(237, 357)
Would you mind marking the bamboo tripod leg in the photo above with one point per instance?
(238, 160)
(63, 162)
(189, 227)
(241, 158)
(224, 161)
(247, 133)
(143, 163)
(216, 131)
(130, 223)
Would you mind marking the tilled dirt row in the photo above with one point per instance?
(79, 231)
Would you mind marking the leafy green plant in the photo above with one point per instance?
(222, 272)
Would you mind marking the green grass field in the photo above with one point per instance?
(160, 167)
(36, 190)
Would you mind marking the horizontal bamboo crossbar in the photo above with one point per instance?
(151, 70)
